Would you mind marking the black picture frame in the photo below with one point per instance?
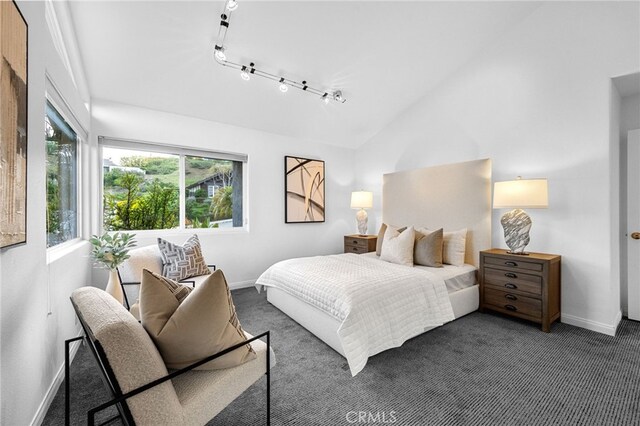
(304, 190)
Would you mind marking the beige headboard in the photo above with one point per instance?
(450, 196)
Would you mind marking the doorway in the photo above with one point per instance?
(633, 225)
(628, 88)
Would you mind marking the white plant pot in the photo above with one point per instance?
(113, 286)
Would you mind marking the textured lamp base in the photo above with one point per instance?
(362, 220)
(516, 224)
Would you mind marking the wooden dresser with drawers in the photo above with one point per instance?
(360, 244)
(526, 287)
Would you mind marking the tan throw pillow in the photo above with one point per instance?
(454, 247)
(380, 239)
(381, 232)
(427, 250)
(398, 246)
(188, 325)
(180, 262)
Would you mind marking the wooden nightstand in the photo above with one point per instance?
(526, 287)
(360, 243)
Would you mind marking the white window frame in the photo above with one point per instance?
(53, 96)
(181, 152)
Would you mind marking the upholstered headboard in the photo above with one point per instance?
(450, 196)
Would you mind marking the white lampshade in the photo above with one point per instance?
(361, 200)
(521, 193)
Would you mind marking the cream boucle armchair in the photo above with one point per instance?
(140, 386)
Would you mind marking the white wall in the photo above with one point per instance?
(537, 103)
(242, 255)
(35, 313)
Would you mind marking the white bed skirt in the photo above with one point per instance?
(325, 327)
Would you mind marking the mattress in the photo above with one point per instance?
(378, 305)
(455, 277)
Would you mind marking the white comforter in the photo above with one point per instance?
(380, 305)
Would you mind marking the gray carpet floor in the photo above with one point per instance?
(483, 369)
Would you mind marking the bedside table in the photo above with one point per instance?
(360, 243)
(526, 287)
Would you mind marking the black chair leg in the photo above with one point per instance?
(268, 379)
(67, 343)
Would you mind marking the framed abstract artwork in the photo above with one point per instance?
(304, 190)
(13, 125)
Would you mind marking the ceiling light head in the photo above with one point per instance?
(219, 53)
(337, 96)
(232, 5)
(244, 74)
(283, 85)
(325, 98)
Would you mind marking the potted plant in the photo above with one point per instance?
(109, 251)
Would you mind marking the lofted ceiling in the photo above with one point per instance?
(383, 55)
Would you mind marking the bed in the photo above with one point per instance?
(360, 305)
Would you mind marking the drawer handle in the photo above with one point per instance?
(511, 286)
(355, 241)
(510, 297)
(354, 248)
(510, 275)
(511, 263)
(511, 307)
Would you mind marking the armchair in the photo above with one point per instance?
(134, 373)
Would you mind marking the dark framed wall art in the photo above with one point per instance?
(13, 125)
(304, 200)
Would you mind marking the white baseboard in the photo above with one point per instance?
(55, 385)
(242, 284)
(599, 327)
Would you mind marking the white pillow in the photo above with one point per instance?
(398, 246)
(454, 247)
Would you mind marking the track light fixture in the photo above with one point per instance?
(246, 72)
(219, 53)
(283, 86)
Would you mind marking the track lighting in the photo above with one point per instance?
(247, 72)
(283, 86)
(219, 52)
(244, 74)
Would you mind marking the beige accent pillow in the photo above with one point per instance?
(188, 324)
(398, 246)
(454, 247)
(427, 250)
(380, 239)
(381, 232)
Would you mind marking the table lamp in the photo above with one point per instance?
(517, 195)
(361, 200)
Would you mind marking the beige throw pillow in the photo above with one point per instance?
(188, 324)
(398, 246)
(381, 232)
(380, 239)
(427, 250)
(454, 247)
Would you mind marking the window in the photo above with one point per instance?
(149, 186)
(62, 181)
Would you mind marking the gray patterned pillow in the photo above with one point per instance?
(180, 262)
